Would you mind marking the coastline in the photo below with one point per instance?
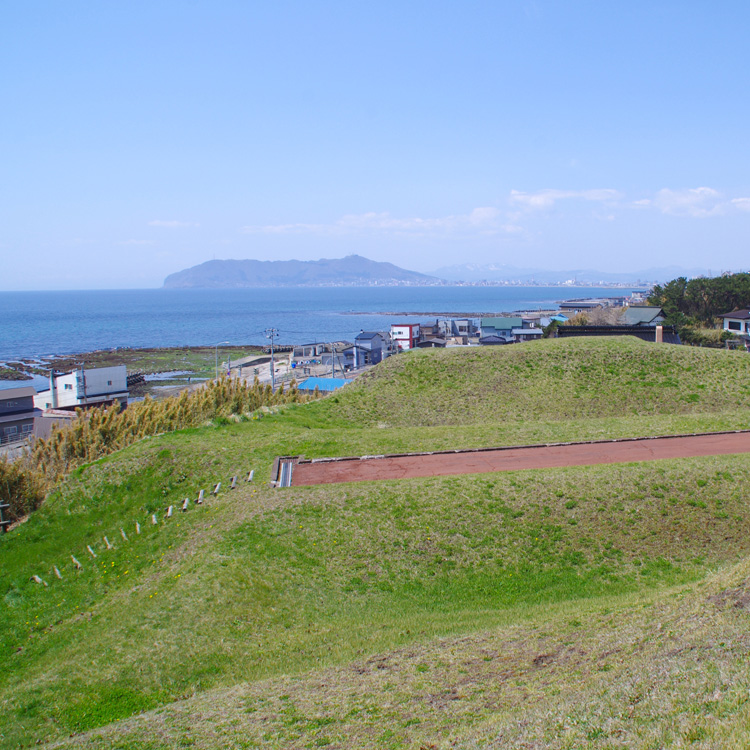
(453, 314)
(45, 325)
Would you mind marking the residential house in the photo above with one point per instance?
(378, 346)
(356, 356)
(82, 388)
(502, 329)
(463, 327)
(432, 330)
(17, 413)
(737, 321)
(642, 315)
(496, 340)
(405, 335)
(499, 326)
(526, 333)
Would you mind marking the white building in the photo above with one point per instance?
(405, 335)
(82, 388)
(737, 321)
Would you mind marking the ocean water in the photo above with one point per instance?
(39, 324)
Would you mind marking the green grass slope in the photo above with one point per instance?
(263, 583)
(397, 614)
(645, 671)
(552, 379)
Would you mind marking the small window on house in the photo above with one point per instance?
(109, 382)
(735, 325)
(48, 405)
(11, 430)
(27, 428)
(68, 386)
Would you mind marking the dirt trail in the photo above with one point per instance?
(514, 459)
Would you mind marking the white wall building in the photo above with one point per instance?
(405, 335)
(737, 321)
(82, 388)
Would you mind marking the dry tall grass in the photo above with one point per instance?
(98, 432)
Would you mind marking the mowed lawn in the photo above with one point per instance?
(269, 611)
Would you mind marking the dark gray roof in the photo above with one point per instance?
(20, 416)
(737, 314)
(10, 393)
(485, 340)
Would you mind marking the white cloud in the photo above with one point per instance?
(514, 218)
(694, 202)
(172, 224)
(544, 199)
(482, 220)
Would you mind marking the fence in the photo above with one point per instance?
(16, 437)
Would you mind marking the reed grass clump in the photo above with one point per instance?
(97, 432)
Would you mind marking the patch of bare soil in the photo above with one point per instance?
(516, 459)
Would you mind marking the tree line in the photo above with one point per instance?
(700, 301)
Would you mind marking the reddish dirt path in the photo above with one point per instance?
(514, 459)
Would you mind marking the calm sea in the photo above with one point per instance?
(38, 324)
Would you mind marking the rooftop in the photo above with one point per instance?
(737, 314)
(23, 392)
(322, 384)
(636, 314)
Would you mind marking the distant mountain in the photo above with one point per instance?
(473, 272)
(353, 270)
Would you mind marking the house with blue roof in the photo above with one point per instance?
(324, 385)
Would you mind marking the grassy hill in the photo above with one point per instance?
(600, 605)
(551, 379)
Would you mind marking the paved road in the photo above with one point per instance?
(514, 459)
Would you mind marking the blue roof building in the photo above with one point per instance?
(324, 385)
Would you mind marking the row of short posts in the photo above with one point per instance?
(154, 521)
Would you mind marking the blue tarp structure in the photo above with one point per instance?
(322, 384)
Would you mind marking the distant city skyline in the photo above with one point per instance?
(144, 138)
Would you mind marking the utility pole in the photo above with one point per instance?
(216, 351)
(271, 333)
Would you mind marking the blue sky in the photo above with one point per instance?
(141, 138)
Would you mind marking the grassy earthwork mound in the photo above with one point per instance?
(600, 606)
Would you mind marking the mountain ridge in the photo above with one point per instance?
(352, 270)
